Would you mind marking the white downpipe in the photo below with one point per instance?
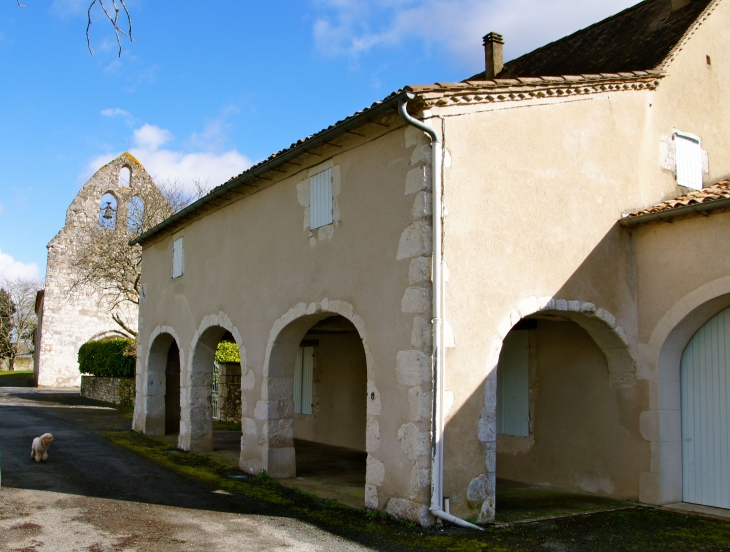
(437, 431)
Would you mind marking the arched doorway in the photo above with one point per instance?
(203, 406)
(172, 390)
(561, 422)
(161, 394)
(705, 389)
(318, 380)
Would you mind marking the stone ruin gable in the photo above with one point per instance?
(73, 317)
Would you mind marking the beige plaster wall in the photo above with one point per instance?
(585, 432)
(340, 394)
(253, 262)
(534, 191)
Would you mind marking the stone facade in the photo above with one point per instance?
(71, 317)
(119, 391)
(229, 392)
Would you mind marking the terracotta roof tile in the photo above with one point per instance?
(721, 190)
(638, 38)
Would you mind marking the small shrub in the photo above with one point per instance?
(227, 352)
(106, 358)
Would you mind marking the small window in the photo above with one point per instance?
(303, 380)
(688, 150)
(513, 389)
(320, 199)
(178, 258)
(125, 177)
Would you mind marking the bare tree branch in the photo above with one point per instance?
(106, 263)
(114, 20)
(21, 292)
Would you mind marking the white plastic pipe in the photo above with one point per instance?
(437, 431)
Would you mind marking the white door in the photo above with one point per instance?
(705, 379)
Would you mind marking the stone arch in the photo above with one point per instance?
(149, 415)
(600, 325)
(275, 409)
(661, 425)
(196, 426)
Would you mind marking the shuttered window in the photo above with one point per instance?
(320, 199)
(178, 258)
(688, 151)
(513, 389)
(303, 379)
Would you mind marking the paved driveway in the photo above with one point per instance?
(92, 495)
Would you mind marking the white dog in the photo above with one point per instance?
(40, 446)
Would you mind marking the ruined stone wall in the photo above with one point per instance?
(72, 316)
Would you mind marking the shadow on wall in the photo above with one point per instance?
(567, 401)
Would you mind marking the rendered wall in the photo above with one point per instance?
(340, 394)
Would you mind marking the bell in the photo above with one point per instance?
(108, 211)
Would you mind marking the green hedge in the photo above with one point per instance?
(106, 358)
(227, 352)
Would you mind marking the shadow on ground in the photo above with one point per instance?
(96, 455)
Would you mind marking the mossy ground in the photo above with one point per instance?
(637, 529)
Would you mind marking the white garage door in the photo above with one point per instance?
(706, 414)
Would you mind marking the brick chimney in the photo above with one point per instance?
(677, 4)
(494, 53)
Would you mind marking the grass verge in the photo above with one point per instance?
(642, 529)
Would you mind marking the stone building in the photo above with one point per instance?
(69, 317)
(470, 282)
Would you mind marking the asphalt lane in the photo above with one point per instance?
(93, 495)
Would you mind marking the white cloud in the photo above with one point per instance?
(354, 27)
(10, 268)
(115, 112)
(199, 163)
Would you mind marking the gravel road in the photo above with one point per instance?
(93, 496)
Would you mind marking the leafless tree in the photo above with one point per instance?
(113, 14)
(106, 262)
(22, 294)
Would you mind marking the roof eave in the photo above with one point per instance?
(244, 178)
(671, 214)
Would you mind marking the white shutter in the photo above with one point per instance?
(177, 258)
(320, 199)
(298, 382)
(303, 380)
(307, 378)
(688, 152)
(513, 389)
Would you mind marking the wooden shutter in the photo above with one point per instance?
(298, 382)
(177, 258)
(307, 378)
(320, 199)
(688, 151)
(513, 389)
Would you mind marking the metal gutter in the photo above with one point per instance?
(670, 214)
(243, 179)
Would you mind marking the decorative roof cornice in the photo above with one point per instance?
(533, 88)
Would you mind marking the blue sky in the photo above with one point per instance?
(208, 88)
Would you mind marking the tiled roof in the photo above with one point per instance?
(639, 38)
(705, 197)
